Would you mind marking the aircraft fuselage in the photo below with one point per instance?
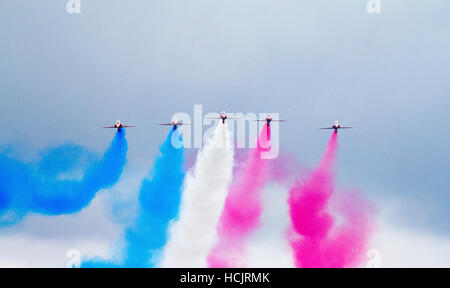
(223, 117)
(336, 127)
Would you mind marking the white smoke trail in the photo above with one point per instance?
(206, 185)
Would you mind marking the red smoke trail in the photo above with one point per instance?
(242, 208)
(315, 237)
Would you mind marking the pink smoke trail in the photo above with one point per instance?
(242, 208)
(316, 239)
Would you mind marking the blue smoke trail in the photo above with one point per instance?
(159, 199)
(25, 188)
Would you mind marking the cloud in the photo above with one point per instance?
(43, 241)
(268, 246)
(403, 247)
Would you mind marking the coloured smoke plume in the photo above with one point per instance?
(204, 194)
(316, 238)
(242, 210)
(159, 199)
(48, 187)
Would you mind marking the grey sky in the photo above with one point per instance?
(62, 76)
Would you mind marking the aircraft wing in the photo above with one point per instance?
(345, 127)
(169, 124)
(110, 127)
(127, 126)
(221, 118)
(327, 128)
(271, 120)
